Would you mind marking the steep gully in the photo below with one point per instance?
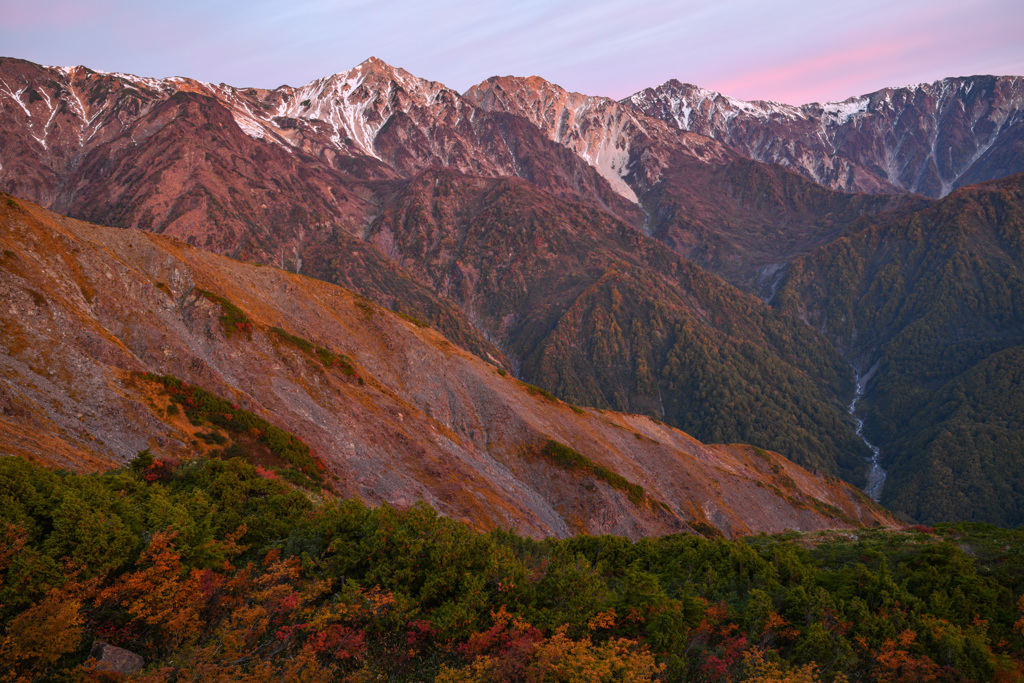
(769, 278)
(876, 474)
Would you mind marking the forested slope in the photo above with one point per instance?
(932, 304)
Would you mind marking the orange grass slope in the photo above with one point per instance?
(405, 416)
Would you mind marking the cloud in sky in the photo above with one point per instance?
(791, 50)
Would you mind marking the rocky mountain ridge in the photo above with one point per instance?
(927, 139)
(703, 199)
(495, 264)
(611, 137)
(373, 122)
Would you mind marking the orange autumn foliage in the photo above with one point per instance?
(893, 661)
(161, 593)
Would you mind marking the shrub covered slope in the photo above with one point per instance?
(221, 569)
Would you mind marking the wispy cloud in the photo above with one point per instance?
(788, 50)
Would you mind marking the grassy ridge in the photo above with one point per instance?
(327, 358)
(204, 408)
(233, 318)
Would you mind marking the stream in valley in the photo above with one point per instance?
(876, 475)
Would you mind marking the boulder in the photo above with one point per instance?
(115, 659)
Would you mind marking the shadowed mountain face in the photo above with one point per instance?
(390, 410)
(569, 239)
(931, 303)
(928, 139)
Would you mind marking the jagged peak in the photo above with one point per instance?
(674, 89)
(374, 62)
(842, 108)
(378, 69)
(379, 77)
(948, 84)
(375, 69)
(75, 70)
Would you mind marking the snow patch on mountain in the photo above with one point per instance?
(610, 156)
(842, 112)
(597, 129)
(249, 125)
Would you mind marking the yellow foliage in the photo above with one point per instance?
(40, 636)
(562, 659)
(759, 670)
(480, 671)
(210, 664)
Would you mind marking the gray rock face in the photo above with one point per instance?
(115, 659)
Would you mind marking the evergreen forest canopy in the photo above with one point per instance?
(602, 318)
(221, 569)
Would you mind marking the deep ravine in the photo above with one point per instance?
(876, 475)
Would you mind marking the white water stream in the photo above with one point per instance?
(876, 475)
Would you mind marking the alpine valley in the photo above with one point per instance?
(246, 331)
(732, 269)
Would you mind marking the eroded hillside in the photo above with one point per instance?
(403, 415)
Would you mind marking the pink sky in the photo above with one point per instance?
(791, 51)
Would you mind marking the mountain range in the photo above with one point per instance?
(927, 139)
(731, 269)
